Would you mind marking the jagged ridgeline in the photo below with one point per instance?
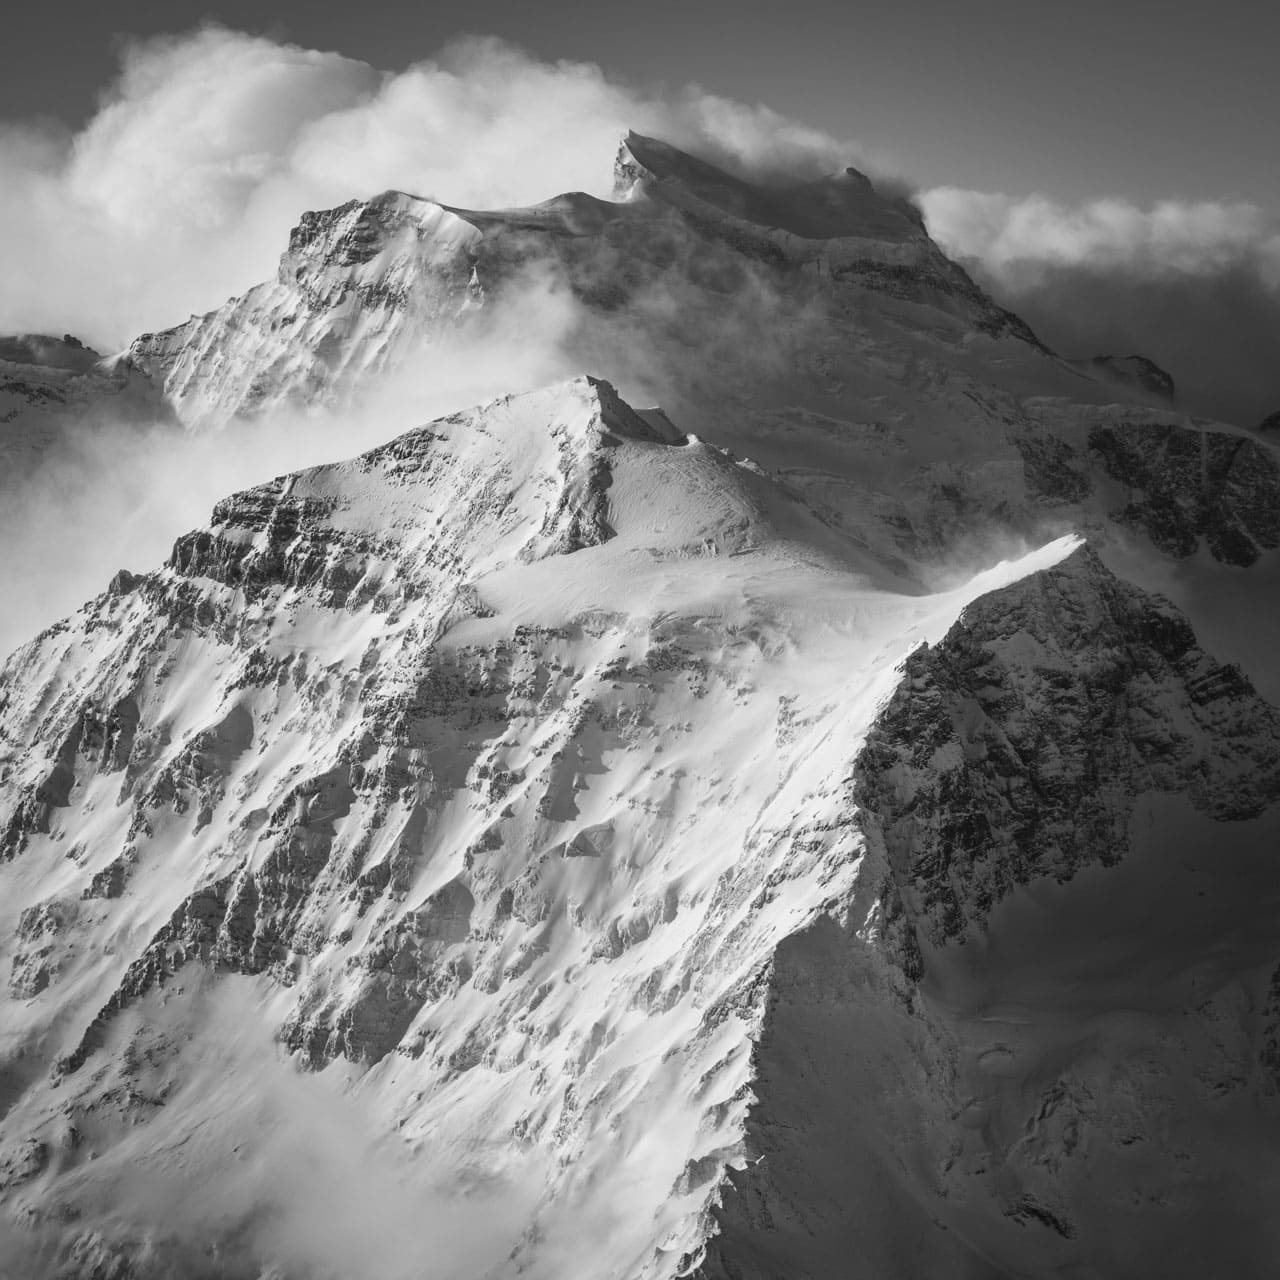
(785, 833)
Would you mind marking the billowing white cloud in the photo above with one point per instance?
(195, 126)
(182, 188)
(1194, 286)
(1017, 239)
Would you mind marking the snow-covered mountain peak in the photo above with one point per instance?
(844, 205)
(518, 478)
(420, 743)
(357, 290)
(364, 231)
(364, 287)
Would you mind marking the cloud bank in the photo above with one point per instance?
(181, 190)
(1194, 286)
(1019, 238)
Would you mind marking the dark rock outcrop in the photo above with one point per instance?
(1184, 485)
(1015, 748)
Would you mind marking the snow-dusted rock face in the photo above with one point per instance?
(1015, 748)
(1183, 486)
(840, 229)
(1047, 1018)
(841, 207)
(359, 289)
(1136, 371)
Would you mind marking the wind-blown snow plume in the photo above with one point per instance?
(182, 188)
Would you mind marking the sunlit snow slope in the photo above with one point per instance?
(503, 757)
(552, 844)
(816, 329)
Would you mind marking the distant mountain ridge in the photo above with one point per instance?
(52, 387)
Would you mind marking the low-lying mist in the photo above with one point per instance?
(298, 1176)
(1194, 286)
(116, 493)
(691, 331)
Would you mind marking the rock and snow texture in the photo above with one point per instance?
(502, 757)
(357, 291)
(1013, 750)
(1048, 1045)
(1136, 371)
(815, 329)
(495, 756)
(669, 882)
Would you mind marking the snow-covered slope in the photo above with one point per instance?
(554, 844)
(501, 761)
(358, 291)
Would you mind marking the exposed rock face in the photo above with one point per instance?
(938, 1089)
(1184, 485)
(47, 352)
(358, 290)
(1014, 749)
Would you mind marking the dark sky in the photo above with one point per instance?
(1143, 98)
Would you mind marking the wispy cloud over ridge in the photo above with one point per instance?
(182, 187)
